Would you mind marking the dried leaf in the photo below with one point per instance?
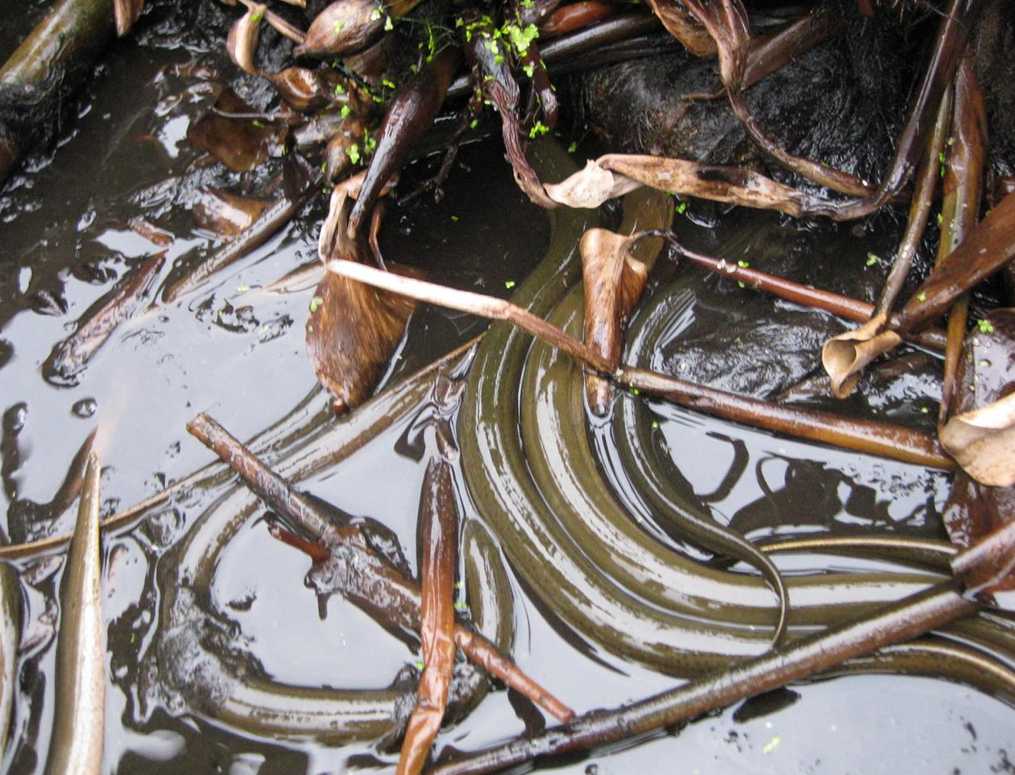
(352, 328)
(127, 13)
(243, 37)
(226, 214)
(975, 510)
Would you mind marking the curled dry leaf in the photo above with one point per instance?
(226, 214)
(344, 27)
(243, 37)
(127, 13)
(589, 187)
(983, 442)
(846, 356)
(576, 16)
(344, 149)
(238, 143)
(614, 273)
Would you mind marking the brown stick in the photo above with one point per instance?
(919, 208)
(960, 209)
(843, 306)
(868, 436)
(893, 624)
(375, 578)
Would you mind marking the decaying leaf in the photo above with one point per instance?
(352, 328)
(344, 27)
(981, 434)
(438, 539)
(310, 90)
(243, 37)
(226, 214)
(127, 13)
(239, 143)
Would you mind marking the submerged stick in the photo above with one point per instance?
(126, 518)
(40, 75)
(79, 723)
(374, 576)
(868, 436)
(70, 356)
(259, 232)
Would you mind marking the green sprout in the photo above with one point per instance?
(985, 326)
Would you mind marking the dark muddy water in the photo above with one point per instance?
(240, 356)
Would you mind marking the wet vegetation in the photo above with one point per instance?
(742, 417)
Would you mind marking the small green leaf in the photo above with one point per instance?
(315, 304)
(985, 326)
(419, 665)
(921, 296)
(572, 147)
(389, 25)
(387, 83)
(509, 284)
(539, 128)
(872, 259)
(681, 207)
(353, 153)
(454, 218)
(743, 264)
(345, 112)
(256, 16)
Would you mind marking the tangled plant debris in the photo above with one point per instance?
(328, 106)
